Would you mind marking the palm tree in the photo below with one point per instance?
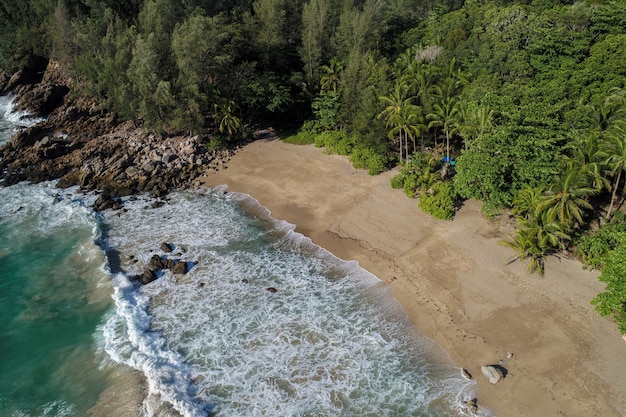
(332, 73)
(474, 121)
(227, 122)
(395, 114)
(446, 112)
(588, 157)
(526, 202)
(526, 245)
(615, 148)
(566, 199)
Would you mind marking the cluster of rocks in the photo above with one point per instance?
(80, 144)
(159, 263)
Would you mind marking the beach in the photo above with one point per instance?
(453, 280)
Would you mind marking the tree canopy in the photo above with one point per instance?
(519, 103)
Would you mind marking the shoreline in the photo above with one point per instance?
(452, 280)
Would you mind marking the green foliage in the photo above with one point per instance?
(336, 142)
(526, 245)
(488, 182)
(418, 175)
(363, 157)
(326, 109)
(302, 137)
(440, 200)
(612, 301)
(594, 248)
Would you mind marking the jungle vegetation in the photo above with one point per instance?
(520, 104)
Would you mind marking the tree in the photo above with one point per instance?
(526, 245)
(586, 155)
(358, 27)
(567, 198)
(270, 18)
(615, 148)
(331, 75)
(225, 119)
(446, 111)
(395, 114)
(202, 52)
(315, 37)
(475, 121)
(526, 202)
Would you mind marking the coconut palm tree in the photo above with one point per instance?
(526, 245)
(226, 120)
(587, 156)
(526, 202)
(332, 73)
(567, 198)
(446, 112)
(615, 149)
(396, 114)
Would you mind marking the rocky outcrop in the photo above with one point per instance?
(81, 144)
(159, 263)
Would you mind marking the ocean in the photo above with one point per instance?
(265, 323)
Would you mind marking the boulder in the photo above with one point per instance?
(166, 247)
(494, 373)
(156, 263)
(147, 277)
(180, 268)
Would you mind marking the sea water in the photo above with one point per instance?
(265, 323)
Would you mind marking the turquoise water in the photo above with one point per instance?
(52, 303)
(329, 341)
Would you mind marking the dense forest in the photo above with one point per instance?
(520, 104)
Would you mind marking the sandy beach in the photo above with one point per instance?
(453, 280)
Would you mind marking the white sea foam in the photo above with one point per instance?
(330, 341)
(18, 118)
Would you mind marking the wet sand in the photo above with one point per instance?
(453, 280)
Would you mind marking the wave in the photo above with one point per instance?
(330, 339)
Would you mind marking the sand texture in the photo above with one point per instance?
(453, 281)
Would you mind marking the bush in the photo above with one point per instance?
(418, 175)
(440, 201)
(301, 138)
(612, 302)
(335, 141)
(215, 143)
(594, 248)
(368, 158)
(397, 181)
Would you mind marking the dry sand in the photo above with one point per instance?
(453, 281)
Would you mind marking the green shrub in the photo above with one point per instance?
(301, 138)
(335, 141)
(594, 248)
(612, 302)
(215, 143)
(440, 200)
(368, 158)
(397, 181)
(411, 186)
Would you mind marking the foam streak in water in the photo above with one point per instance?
(330, 341)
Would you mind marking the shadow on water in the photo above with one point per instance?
(113, 256)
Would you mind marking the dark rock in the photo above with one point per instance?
(166, 247)
(272, 289)
(157, 263)
(180, 268)
(105, 201)
(147, 277)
